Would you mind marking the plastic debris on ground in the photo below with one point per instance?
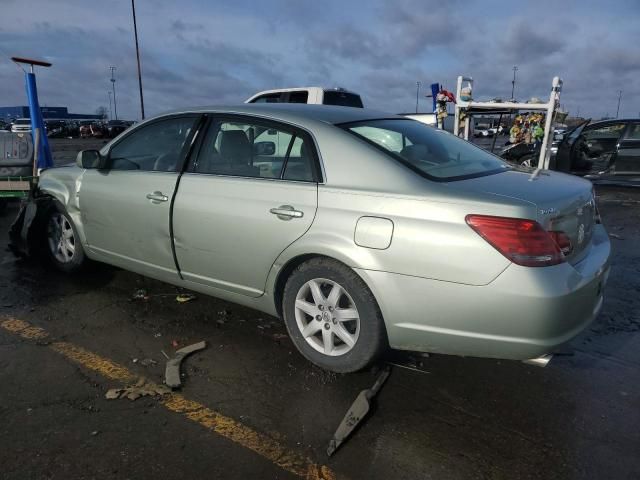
(172, 369)
(142, 388)
(185, 297)
(357, 412)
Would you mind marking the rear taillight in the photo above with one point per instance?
(522, 241)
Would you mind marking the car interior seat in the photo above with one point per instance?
(236, 154)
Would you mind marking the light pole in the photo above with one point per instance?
(417, 94)
(113, 83)
(619, 98)
(110, 110)
(135, 33)
(513, 82)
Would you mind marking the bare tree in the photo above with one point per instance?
(102, 111)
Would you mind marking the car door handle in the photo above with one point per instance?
(286, 212)
(157, 197)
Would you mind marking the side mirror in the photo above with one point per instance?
(90, 159)
(264, 148)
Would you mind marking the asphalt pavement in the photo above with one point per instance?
(252, 407)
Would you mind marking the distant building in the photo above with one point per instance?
(48, 113)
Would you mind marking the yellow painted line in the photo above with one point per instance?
(22, 328)
(245, 436)
(260, 443)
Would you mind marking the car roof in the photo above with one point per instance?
(296, 112)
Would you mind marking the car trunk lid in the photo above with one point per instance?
(564, 203)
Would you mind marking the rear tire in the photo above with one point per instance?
(61, 244)
(332, 316)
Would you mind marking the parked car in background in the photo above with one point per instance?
(73, 128)
(56, 128)
(84, 128)
(114, 128)
(369, 230)
(559, 133)
(483, 132)
(313, 95)
(91, 128)
(21, 125)
(603, 152)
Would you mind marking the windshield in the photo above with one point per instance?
(23, 121)
(433, 153)
(343, 99)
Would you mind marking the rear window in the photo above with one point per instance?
(344, 99)
(299, 96)
(432, 153)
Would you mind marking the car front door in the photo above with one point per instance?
(628, 159)
(240, 204)
(596, 149)
(125, 208)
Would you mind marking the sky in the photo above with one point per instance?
(209, 52)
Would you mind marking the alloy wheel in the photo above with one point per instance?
(327, 317)
(61, 239)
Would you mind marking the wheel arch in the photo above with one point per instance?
(292, 263)
(58, 191)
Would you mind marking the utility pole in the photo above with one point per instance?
(110, 109)
(113, 83)
(513, 82)
(135, 33)
(619, 98)
(578, 112)
(417, 94)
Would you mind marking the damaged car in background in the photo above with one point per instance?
(605, 152)
(362, 230)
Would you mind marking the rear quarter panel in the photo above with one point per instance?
(430, 237)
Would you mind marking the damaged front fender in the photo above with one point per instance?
(55, 186)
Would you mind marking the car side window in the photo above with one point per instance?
(254, 149)
(607, 133)
(633, 133)
(268, 98)
(156, 147)
(300, 163)
(301, 96)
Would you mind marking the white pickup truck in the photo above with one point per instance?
(313, 95)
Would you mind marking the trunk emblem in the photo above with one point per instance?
(581, 233)
(548, 211)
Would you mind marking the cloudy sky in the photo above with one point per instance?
(205, 52)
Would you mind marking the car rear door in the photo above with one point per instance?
(238, 207)
(125, 208)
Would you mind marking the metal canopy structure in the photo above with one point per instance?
(470, 108)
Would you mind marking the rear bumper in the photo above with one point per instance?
(523, 314)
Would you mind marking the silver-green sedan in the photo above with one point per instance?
(362, 230)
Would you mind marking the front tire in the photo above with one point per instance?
(61, 243)
(332, 316)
